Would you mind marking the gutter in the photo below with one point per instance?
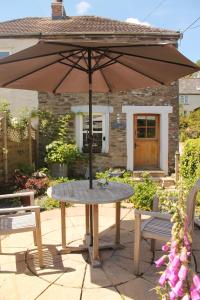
(40, 34)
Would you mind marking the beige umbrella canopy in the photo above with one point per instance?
(58, 67)
(64, 66)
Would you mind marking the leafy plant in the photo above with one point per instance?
(190, 125)
(190, 160)
(61, 152)
(23, 181)
(53, 127)
(144, 193)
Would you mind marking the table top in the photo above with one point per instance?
(79, 192)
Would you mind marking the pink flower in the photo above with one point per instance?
(160, 261)
(196, 281)
(178, 289)
(172, 277)
(171, 256)
(165, 248)
(173, 244)
(172, 296)
(182, 274)
(162, 279)
(184, 255)
(194, 295)
(176, 262)
(186, 297)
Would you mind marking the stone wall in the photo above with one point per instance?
(117, 156)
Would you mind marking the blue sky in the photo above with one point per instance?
(171, 14)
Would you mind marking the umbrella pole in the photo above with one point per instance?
(90, 138)
(90, 116)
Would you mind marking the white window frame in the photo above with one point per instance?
(96, 109)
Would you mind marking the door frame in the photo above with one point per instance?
(164, 112)
(157, 138)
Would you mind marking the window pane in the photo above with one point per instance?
(85, 143)
(3, 54)
(141, 132)
(97, 142)
(141, 121)
(151, 132)
(85, 122)
(97, 122)
(151, 121)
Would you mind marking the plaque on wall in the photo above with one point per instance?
(117, 125)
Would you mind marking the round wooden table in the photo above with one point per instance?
(78, 192)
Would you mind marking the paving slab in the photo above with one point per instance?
(105, 294)
(138, 289)
(70, 276)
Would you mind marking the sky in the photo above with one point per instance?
(170, 14)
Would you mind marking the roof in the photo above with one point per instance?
(189, 86)
(77, 24)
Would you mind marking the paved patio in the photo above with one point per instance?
(70, 276)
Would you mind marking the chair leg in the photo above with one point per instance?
(34, 238)
(153, 245)
(137, 244)
(39, 238)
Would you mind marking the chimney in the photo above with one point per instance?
(58, 10)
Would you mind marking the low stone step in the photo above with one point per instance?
(165, 182)
(152, 173)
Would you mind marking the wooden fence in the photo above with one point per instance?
(16, 149)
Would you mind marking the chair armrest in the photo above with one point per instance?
(21, 208)
(20, 194)
(153, 214)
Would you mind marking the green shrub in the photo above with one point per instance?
(61, 152)
(144, 193)
(190, 160)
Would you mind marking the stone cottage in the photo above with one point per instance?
(137, 130)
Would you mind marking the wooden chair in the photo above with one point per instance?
(159, 226)
(22, 219)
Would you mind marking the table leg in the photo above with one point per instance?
(91, 225)
(87, 219)
(117, 222)
(63, 224)
(95, 249)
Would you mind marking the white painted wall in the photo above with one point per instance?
(163, 111)
(18, 99)
(193, 103)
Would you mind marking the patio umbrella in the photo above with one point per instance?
(90, 66)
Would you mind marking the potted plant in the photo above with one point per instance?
(59, 155)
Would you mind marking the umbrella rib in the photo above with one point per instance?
(30, 73)
(107, 64)
(104, 77)
(61, 81)
(138, 71)
(78, 67)
(151, 58)
(38, 56)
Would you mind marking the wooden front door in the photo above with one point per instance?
(146, 141)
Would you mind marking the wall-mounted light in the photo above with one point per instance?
(118, 119)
